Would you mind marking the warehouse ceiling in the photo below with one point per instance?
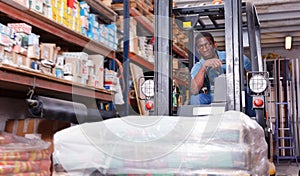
(278, 18)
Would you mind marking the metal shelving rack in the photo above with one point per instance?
(282, 110)
(21, 80)
(129, 56)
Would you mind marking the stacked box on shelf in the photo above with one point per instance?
(24, 3)
(22, 31)
(47, 10)
(103, 34)
(48, 57)
(75, 67)
(96, 72)
(133, 40)
(146, 48)
(37, 5)
(108, 35)
(33, 49)
(110, 79)
(84, 14)
(112, 36)
(59, 66)
(76, 19)
(93, 28)
(66, 13)
(6, 33)
(57, 10)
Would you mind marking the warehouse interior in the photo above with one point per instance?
(89, 87)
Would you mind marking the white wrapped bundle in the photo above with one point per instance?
(226, 143)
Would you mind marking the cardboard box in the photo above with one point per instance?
(47, 51)
(33, 52)
(4, 40)
(8, 31)
(46, 70)
(73, 66)
(37, 5)
(98, 61)
(19, 59)
(24, 3)
(59, 63)
(20, 27)
(33, 39)
(8, 57)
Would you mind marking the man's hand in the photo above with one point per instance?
(214, 63)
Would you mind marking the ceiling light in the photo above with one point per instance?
(288, 42)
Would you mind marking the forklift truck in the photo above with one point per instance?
(115, 138)
(241, 27)
(240, 23)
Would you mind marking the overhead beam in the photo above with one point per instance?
(294, 14)
(288, 23)
(293, 6)
(272, 2)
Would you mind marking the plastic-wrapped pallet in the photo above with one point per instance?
(226, 144)
(22, 156)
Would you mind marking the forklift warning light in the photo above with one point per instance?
(149, 105)
(258, 102)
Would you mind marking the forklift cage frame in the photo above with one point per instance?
(234, 22)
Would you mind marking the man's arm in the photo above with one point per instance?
(197, 82)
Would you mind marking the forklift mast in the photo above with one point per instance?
(236, 18)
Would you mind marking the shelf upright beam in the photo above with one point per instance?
(163, 57)
(126, 54)
(234, 55)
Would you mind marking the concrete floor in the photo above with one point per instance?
(284, 168)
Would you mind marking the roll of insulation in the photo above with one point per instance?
(57, 109)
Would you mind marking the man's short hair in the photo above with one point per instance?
(205, 34)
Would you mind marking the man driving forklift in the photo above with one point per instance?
(210, 65)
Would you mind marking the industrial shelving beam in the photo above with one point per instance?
(163, 57)
(12, 78)
(126, 38)
(19, 12)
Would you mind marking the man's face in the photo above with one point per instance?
(205, 48)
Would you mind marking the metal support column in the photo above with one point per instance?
(126, 37)
(252, 37)
(163, 57)
(191, 49)
(191, 57)
(234, 55)
(297, 119)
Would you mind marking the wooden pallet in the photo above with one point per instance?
(120, 6)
